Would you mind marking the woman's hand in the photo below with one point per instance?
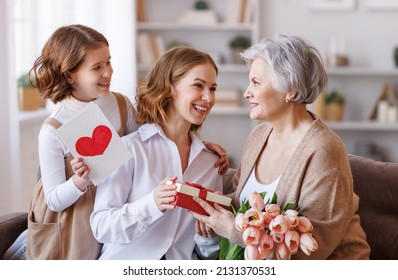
(220, 220)
(164, 194)
(222, 163)
(81, 178)
(204, 230)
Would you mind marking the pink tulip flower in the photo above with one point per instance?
(282, 252)
(279, 224)
(266, 246)
(308, 244)
(266, 254)
(251, 235)
(256, 201)
(240, 222)
(278, 237)
(273, 209)
(254, 218)
(292, 240)
(292, 217)
(251, 253)
(304, 225)
(267, 218)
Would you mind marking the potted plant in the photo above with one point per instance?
(334, 101)
(28, 96)
(237, 45)
(201, 5)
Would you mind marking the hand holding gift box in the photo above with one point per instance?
(186, 191)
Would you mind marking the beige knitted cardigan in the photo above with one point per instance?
(318, 178)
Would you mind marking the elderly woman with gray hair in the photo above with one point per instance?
(292, 153)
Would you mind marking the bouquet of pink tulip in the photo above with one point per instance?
(269, 231)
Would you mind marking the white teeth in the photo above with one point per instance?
(202, 108)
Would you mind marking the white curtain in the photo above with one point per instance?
(9, 130)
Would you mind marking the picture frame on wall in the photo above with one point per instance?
(332, 5)
(382, 5)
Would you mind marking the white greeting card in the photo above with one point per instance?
(91, 136)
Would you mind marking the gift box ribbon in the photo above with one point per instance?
(202, 191)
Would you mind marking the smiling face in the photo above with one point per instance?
(265, 102)
(194, 95)
(93, 77)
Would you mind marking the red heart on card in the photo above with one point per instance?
(101, 137)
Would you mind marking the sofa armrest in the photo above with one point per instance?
(11, 226)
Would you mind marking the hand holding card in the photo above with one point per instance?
(91, 136)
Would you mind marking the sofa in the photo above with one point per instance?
(375, 182)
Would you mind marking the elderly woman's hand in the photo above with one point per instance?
(204, 230)
(220, 220)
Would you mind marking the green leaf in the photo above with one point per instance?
(230, 251)
(274, 199)
(288, 206)
(263, 194)
(234, 210)
(245, 206)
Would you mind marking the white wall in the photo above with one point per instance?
(116, 20)
(370, 35)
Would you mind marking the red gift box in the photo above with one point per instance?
(186, 192)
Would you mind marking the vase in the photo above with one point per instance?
(334, 112)
(396, 56)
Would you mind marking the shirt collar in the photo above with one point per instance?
(75, 104)
(149, 130)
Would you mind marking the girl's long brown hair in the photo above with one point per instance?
(63, 52)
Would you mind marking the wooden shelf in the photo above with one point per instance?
(223, 68)
(362, 126)
(174, 26)
(361, 71)
(27, 117)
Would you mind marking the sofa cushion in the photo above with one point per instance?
(376, 184)
(11, 226)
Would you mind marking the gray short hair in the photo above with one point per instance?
(295, 66)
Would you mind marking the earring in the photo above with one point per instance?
(287, 99)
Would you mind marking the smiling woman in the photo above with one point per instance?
(293, 155)
(172, 103)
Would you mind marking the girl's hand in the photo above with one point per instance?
(222, 163)
(82, 172)
(164, 194)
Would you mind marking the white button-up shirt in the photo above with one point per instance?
(126, 218)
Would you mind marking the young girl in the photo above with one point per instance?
(132, 214)
(73, 70)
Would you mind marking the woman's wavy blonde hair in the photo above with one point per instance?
(154, 93)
